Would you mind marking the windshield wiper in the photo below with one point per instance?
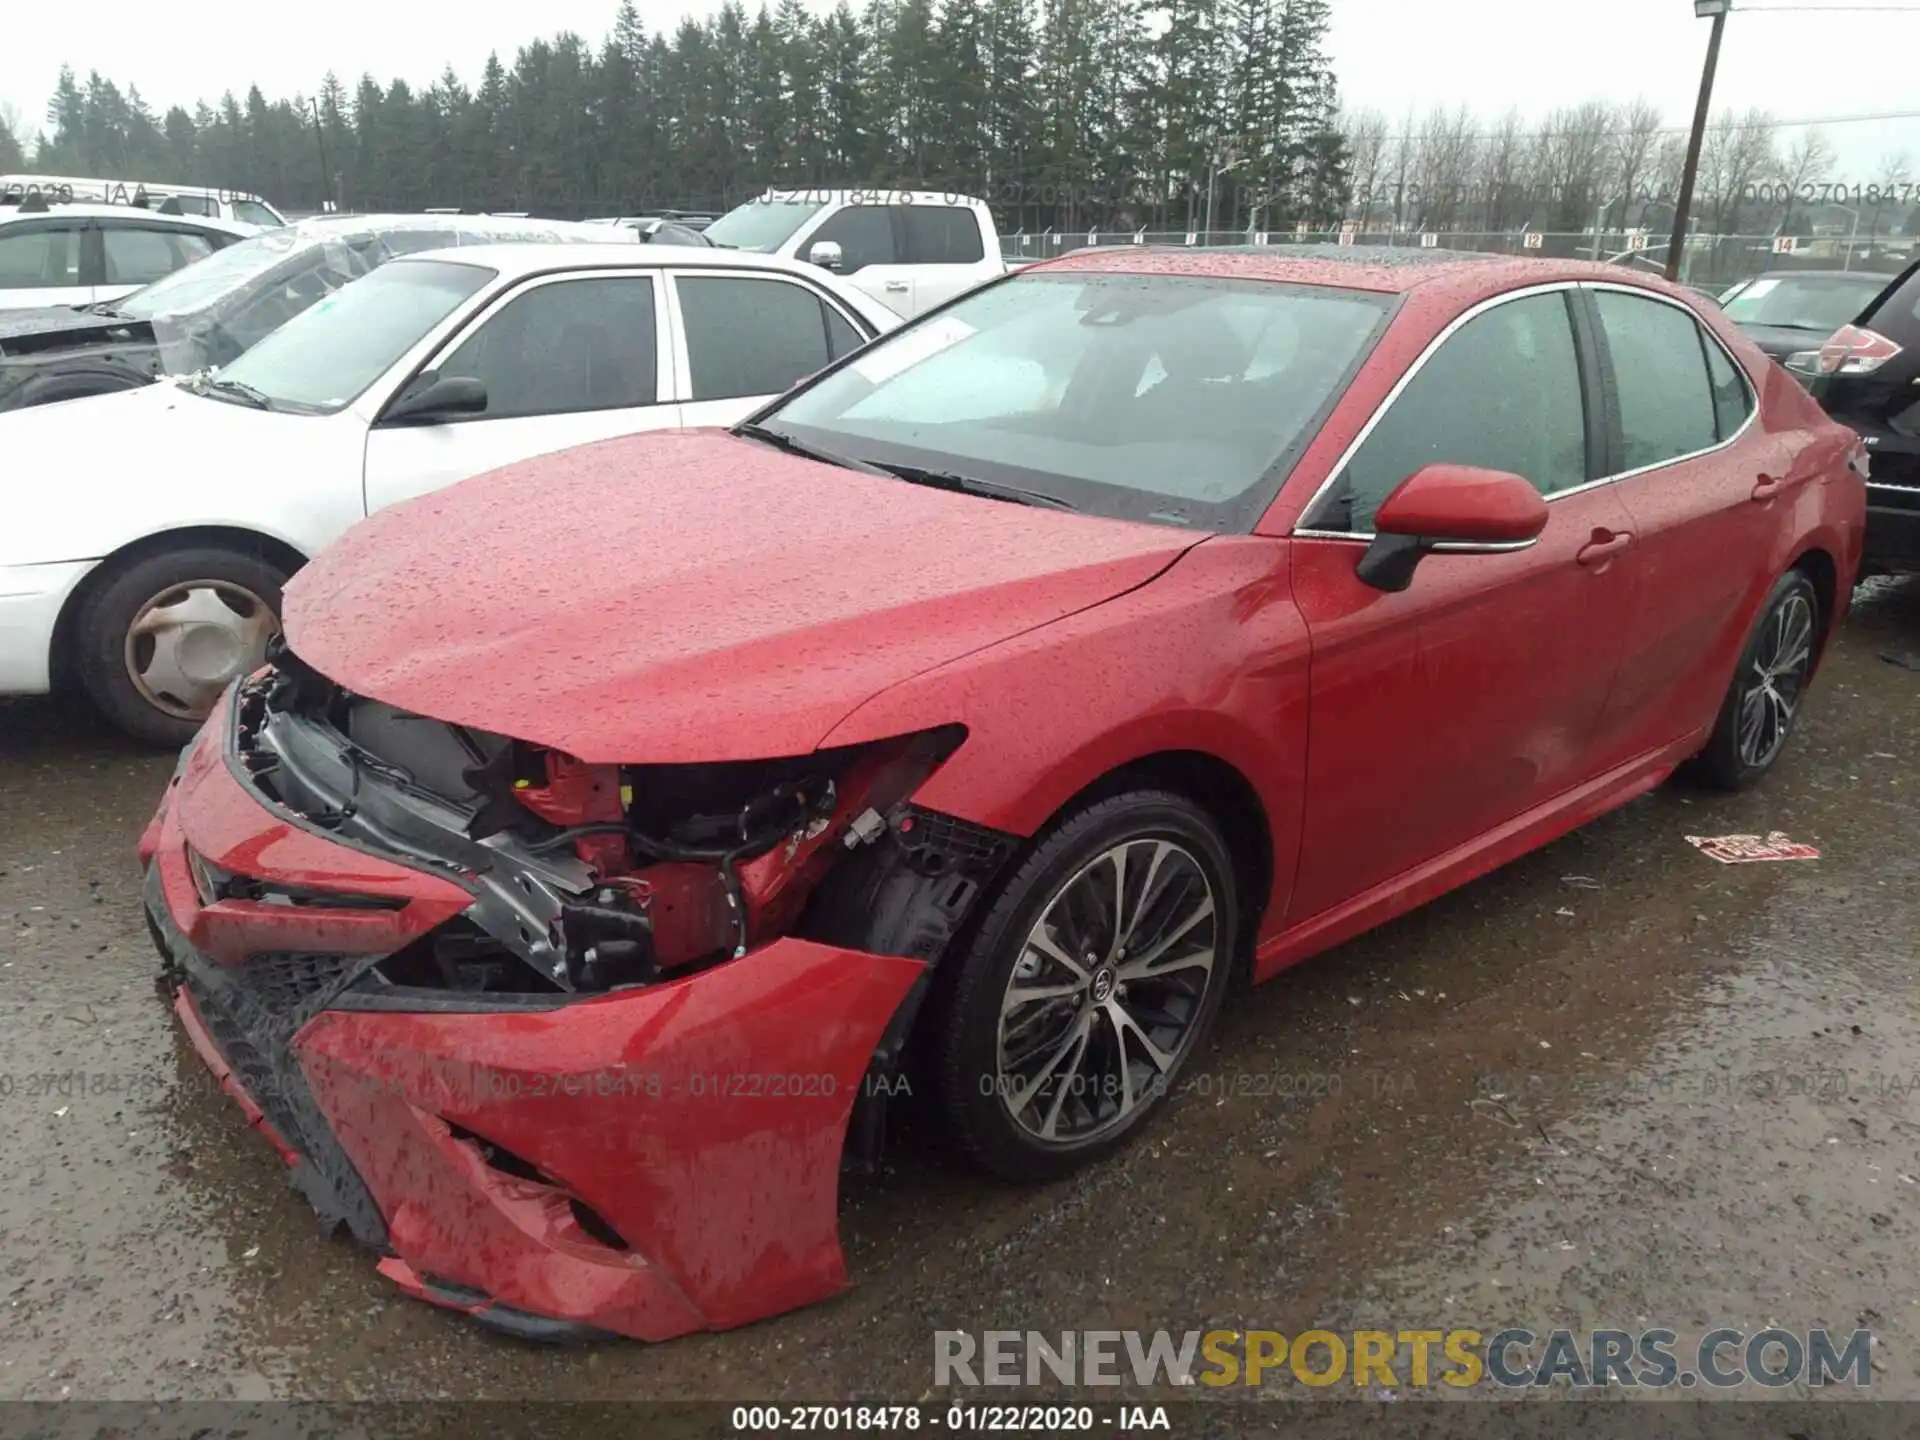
(779, 439)
(238, 390)
(971, 485)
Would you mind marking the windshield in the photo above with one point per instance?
(1803, 302)
(252, 212)
(322, 360)
(763, 225)
(1171, 399)
(201, 283)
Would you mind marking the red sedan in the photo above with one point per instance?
(614, 839)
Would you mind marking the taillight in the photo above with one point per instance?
(1855, 350)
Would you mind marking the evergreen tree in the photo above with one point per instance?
(1073, 114)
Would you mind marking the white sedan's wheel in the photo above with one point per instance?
(162, 637)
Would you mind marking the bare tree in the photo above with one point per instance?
(1636, 157)
(1444, 166)
(1503, 159)
(1571, 157)
(1891, 179)
(1365, 132)
(1807, 162)
(1737, 155)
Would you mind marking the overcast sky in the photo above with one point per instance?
(1388, 53)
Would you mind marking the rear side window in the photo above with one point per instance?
(751, 336)
(1503, 393)
(1732, 400)
(39, 257)
(565, 347)
(138, 257)
(1667, 404)
(864, 234)
(940, 235)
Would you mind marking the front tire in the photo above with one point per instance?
(1095, 973)
(162, 637)
(1763, 703)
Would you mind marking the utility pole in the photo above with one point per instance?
(1676, 248)
(320, 134)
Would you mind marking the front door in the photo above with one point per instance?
(1444, 711)
(870, 254)
(566, 360)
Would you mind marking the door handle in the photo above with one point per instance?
(898, 286)
(1599, 551)
(1768, 486)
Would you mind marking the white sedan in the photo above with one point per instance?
(146, 563)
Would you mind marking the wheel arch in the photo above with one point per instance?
(1221, 789)
(280, 553)
(1819, 566)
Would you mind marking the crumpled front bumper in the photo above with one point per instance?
(674, 1152)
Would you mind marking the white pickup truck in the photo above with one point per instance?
(909, 249)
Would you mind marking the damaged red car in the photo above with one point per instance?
(611, 841)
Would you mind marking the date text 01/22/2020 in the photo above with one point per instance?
(961, 1419)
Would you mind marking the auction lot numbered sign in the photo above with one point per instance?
(1533, 239)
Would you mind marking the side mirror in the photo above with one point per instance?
(434, 397)
(826, 254)
(1458, 508)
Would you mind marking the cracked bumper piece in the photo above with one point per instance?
(645, 1162)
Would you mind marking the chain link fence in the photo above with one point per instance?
(1710, 262)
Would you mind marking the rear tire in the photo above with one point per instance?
(1072, 1015)
(1764, 700)
(159, 639)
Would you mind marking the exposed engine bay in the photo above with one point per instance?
(589, 877)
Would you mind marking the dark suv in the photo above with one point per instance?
(1868, 377)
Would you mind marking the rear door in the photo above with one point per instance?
(1707, 489)
(1445, 711)
(742, 338)
(566, 360)
(42, 262)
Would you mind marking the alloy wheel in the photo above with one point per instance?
(1103, 1003)
(1776, 679)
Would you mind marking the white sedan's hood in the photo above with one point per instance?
(81, 478)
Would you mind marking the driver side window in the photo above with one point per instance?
(1503, 393)
(565, 347)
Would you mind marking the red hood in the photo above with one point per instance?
(689, 596)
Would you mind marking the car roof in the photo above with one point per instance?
(509, 258)
(89, 210)
(1384, 269)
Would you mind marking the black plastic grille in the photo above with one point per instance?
(252, 1012)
